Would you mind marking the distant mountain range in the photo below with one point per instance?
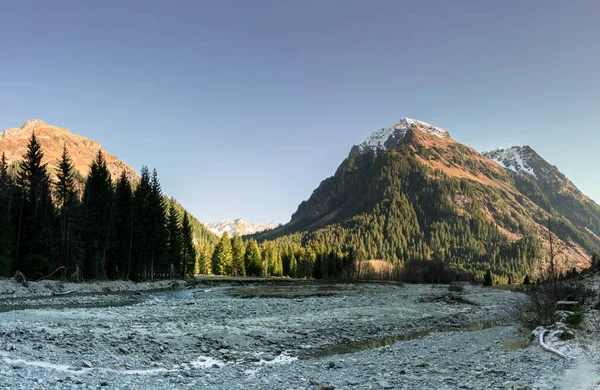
(237, 227)
(411, 194)
(13, 142)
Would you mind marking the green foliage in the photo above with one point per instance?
(188, 249)
(175, 241)
(575, 319)
(34, 216)
(69, 215)
(252, 259)
(120, 262)
(238, 251)
(142, 229)
(222, 258)
(97, 208)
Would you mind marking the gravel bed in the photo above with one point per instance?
(311, 336)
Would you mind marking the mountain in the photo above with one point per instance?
(237, 227)
(412, 195)
(13, 142)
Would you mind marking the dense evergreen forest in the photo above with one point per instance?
(95, 229)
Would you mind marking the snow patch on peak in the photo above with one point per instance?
(407, 123)
(514, 159)
(237, 227)
(379, 138)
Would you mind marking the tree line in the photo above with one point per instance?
(98, 229)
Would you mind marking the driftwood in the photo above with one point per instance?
(47, 276)
(57, 294)
(550, 349)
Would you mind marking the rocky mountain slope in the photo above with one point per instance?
(411, 194)
(13, 142)
(237, 227)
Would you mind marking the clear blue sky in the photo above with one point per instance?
(245, 106)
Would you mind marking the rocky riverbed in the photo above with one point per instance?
(292, 336)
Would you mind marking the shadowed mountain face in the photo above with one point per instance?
(412, 193)
(82, 150)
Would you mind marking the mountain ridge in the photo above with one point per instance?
(386, 181)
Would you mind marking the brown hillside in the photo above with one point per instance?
(13, 142)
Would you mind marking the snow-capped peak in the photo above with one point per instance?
(379, 138)
(237, 227)
(515, 159)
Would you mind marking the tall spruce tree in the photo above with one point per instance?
(6, 228)
(238, 251)
(158, 231)
(293, 272)
(97, 210)
(122, 228)
(189, 251)
(222, 256)
(252, 259)
(142, 228)
(35, 220)
(68, 209)
(174, 243)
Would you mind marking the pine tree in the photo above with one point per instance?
(204, 262)
(174, 243)
(158, 212)
(222, 258)
(35, 221)
(68, 209)
(142, 222)
(97, 214)
(122, 228)
(238, 250)
(6, 229)
(293, 267)
(189, 250)
(252, 259)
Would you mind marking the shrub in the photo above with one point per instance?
(575, 319)
(541, 306)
